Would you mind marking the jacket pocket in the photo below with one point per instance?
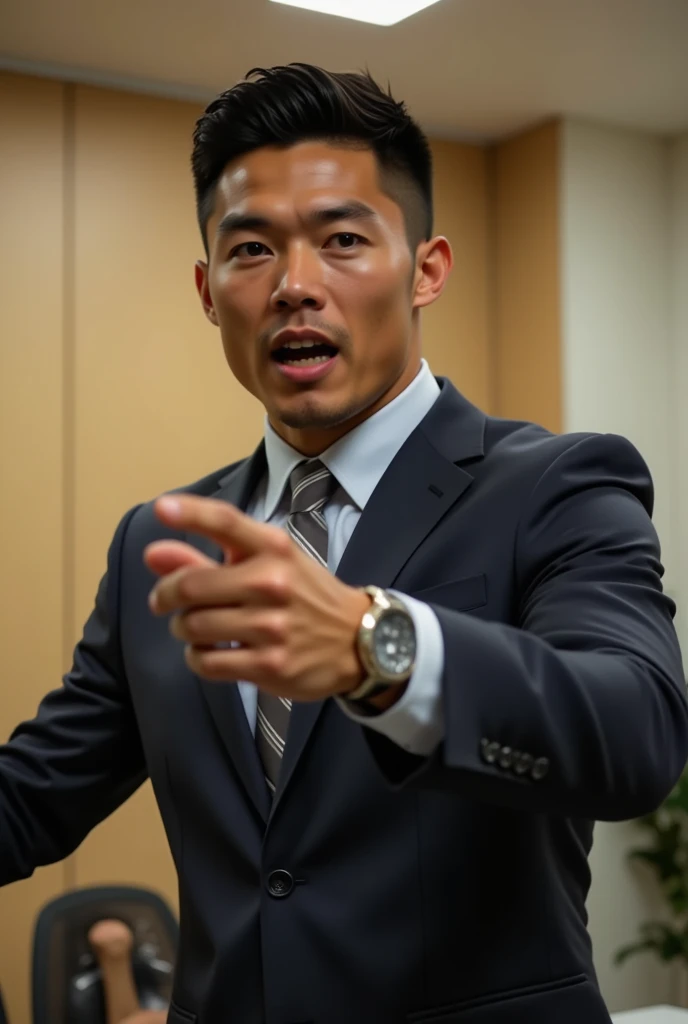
(178, 1016)
(572, 1000)
(460, 595)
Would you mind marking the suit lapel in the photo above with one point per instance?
(417, 490)
(421, 484)
(224, 699)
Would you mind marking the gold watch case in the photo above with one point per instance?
(377, 678)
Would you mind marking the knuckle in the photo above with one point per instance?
(227, 513)
(282, 541)
(281, 582)
(275, 582)
(275, 626)
(204, 663)
(193, 625)
(275, 662)
(186, 587)
(213, 670)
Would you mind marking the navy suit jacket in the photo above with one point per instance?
(380, 887)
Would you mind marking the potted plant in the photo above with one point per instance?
(666, 853)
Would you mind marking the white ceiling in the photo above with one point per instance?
(466, 68)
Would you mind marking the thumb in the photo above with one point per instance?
(165, 556)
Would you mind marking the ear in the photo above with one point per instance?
(434, 261)
(201, 272)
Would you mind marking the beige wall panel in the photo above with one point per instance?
(155, 404)
(527, 315)
(31, 457)
(456, 328)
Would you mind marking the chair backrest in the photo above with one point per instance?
(66, 982)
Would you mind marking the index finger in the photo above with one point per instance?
(221, 522)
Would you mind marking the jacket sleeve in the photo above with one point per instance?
(579, 707)
(68, 768)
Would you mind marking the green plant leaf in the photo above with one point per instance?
(668, 942)
(665, 852)
(632, 948)
(676, 894)
(662, 860)
(678, 798)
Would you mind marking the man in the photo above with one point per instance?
(380, 802)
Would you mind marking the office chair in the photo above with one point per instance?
(67, 985)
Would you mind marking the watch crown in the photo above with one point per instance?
(368, 620)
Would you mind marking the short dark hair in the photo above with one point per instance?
(285, 105)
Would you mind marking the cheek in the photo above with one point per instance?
(379, 311)
(234, 302)
(238, 314)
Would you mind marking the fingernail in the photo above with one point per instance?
(170, 506)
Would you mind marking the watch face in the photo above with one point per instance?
(394, 643)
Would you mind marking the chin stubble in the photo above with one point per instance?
(323, 419)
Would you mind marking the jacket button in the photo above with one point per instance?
(506, 756)
(280, 884)
(540, 768)
(489, 751)
(522, 763)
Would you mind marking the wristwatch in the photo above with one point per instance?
(386, 645)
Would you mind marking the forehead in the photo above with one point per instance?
(303, 174)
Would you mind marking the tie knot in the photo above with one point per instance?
(311, 485)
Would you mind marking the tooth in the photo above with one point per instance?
(309, 361)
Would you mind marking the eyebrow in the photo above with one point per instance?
(351, 210)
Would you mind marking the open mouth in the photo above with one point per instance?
(304, 353)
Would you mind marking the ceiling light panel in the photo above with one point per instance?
(374, 12)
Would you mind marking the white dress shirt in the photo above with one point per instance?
(358, 461)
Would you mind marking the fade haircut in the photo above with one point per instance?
(286, 105)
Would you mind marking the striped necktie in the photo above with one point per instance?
(311, 485)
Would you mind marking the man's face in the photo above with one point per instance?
(304, 240)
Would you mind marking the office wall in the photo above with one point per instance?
(678, 157)
(525, 307)
(618, 374)
(457, 329)
(113, 388)
(32, 652)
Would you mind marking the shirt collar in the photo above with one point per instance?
(360, 458)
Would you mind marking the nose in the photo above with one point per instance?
(300, 283)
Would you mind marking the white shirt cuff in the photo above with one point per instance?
(416, 721)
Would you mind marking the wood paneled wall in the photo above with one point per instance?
(526, 301)
(113, 386)
(456, 329)
(32, 548)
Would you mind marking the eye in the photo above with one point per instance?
(348, 240)
(249, 250)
